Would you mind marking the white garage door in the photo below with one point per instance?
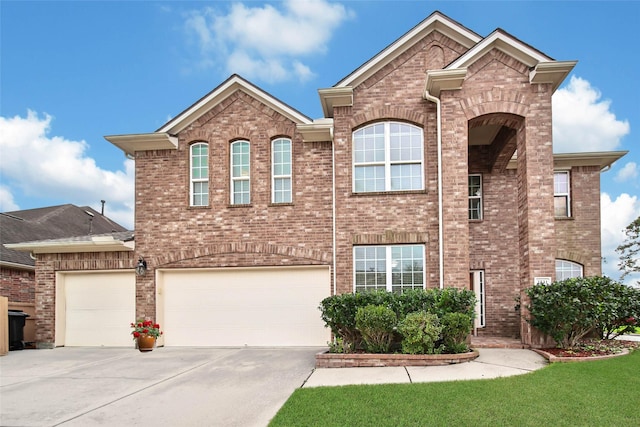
(243, 306)
(97, 308)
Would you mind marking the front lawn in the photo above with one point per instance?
(594, 393)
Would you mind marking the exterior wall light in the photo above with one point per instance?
(141, 267)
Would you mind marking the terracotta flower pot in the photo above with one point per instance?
(146, 342)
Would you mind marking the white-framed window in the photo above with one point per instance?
(561, 194)
(391, 268)
(476, 277)
(475, 196)
(281, 171)
(199, 174)
(567, 269)
(388, 156)
(240, 173)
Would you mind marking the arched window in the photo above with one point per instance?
(388, 156)
(567, 269)
(281, 171)
(199, 174)
(240, 173)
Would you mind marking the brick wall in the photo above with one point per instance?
(578, 237)
(17, 285)
(169, 233)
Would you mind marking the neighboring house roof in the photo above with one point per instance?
(53, 222)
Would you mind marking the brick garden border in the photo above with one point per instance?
(555, 359)
(355, 360)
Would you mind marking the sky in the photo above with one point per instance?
(72, 72)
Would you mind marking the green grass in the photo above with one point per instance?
(595, 393)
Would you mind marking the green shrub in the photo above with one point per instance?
(420, 331)
(456, 327)
(573, 308)
(376, 323)
(339, 311)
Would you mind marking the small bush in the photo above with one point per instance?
(376, 323)
(456, 327)
(420, 331)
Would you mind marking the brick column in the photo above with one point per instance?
(455, 217)
(537, 245)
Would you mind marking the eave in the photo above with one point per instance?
(16, 266)
(439, 80)
(95, 244)
(319, 130)
(143, 142)
(602, 159)
(551, 72)
(335, 97)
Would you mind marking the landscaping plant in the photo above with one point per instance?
(376, 323)
(420, 331)
(456, 327)
(572, 309)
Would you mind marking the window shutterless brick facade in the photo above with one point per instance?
(494, 100)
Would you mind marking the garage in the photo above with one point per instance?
(95, 308)
(243, 306)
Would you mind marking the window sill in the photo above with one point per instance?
(388, 193)
(563, 218)
(280, 204)
(199, 206)
(247, 205)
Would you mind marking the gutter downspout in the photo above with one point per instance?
(333, 209)
(436, 101)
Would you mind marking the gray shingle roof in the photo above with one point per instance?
(51, 223)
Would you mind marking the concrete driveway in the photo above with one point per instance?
(84, 386)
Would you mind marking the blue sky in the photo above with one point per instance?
(72, 72)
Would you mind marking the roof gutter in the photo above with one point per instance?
(436, 101)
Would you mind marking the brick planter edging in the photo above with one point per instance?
(555, 359)
(356, 360)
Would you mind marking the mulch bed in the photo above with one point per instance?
(591, 349)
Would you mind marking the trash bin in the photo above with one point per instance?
(17, 319)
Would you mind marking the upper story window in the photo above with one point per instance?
(561, 194)
(199, 187)
(388, 156)
(391, 268)
(281, 170)
(240, 173)
(567, 269)
(475, 196)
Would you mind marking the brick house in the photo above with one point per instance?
(18, 268)
(433, 166)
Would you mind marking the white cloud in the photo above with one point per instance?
(584, 122)
(265, 42)
(52, 167)
(616, 215)
(7, 204)
(628, 172)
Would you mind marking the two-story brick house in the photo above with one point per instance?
(433, 166)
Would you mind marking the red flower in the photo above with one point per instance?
(157, 326)
(136, 334)
(145, 331)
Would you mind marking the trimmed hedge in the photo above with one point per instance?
(339, 311)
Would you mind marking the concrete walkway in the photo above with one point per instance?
(492, 363)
